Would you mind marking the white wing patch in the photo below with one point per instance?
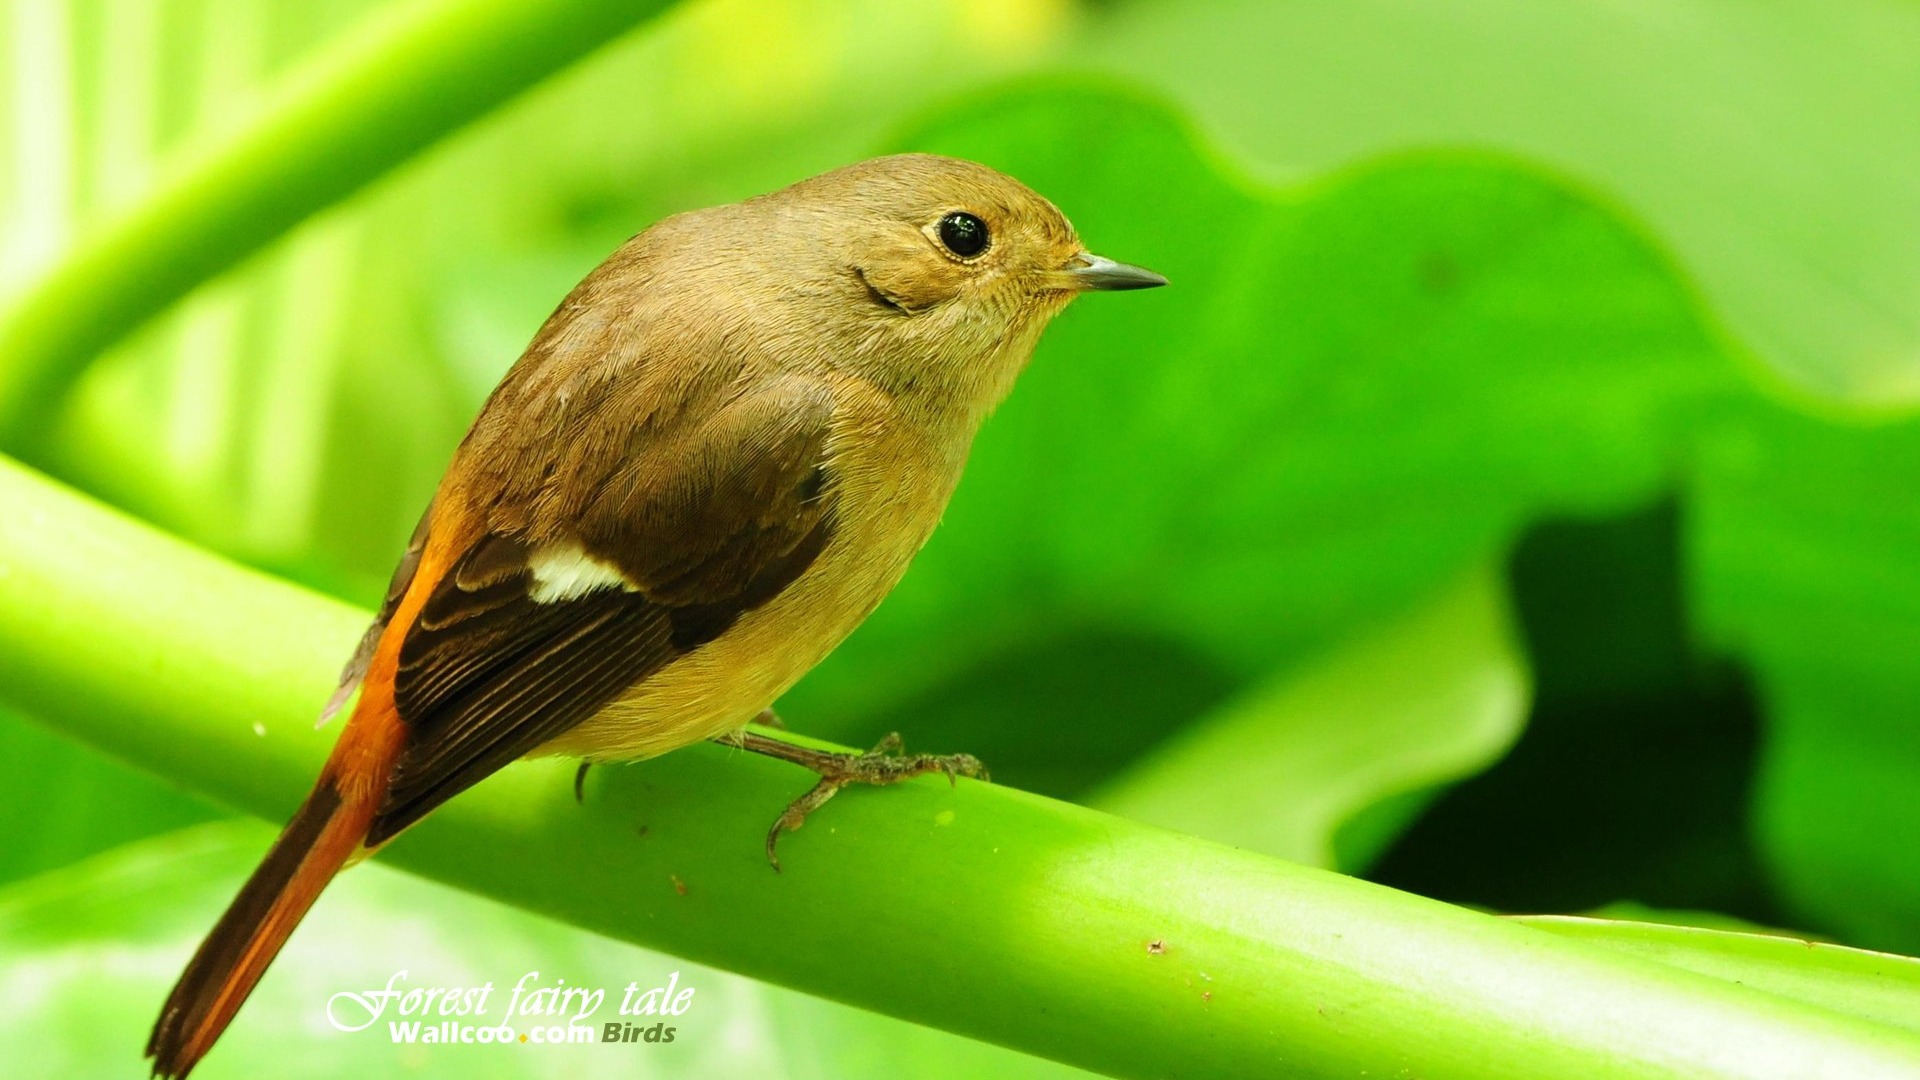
(565, 571)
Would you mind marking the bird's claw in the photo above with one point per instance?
(887, 763)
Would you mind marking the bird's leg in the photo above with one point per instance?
(885, 764)
(769, 718)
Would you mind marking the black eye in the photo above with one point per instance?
(964, 234)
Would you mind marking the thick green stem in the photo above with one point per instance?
(1860, 983)
(979, 909)
(390, 87)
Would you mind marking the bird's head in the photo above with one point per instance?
(931, 275)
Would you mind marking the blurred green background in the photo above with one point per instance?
(1512, 501)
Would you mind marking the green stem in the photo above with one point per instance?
(389, 88)
(983, 910)
(1855, 981)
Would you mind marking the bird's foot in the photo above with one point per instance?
(887, 763)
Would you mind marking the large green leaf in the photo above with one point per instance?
(1351, 394)
(1357, 390)
(1804, 556)
(1379, 381)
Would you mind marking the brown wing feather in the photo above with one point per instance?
(706, 521)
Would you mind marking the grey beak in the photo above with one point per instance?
(1092, 271)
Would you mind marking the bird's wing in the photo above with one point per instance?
(536, 626)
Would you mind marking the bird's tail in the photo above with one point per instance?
(325, 833)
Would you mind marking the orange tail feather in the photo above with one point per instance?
(324, 835)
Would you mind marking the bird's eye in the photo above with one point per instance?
(963, 234)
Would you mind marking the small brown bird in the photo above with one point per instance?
(714, 460)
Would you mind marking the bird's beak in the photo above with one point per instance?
(1090, 271)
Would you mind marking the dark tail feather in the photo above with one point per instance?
(323, 835)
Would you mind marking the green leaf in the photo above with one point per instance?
(1803, 557)
(1355, 391)
(1351, 395)
(1368, 729)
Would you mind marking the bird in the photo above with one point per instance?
(713, 461)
